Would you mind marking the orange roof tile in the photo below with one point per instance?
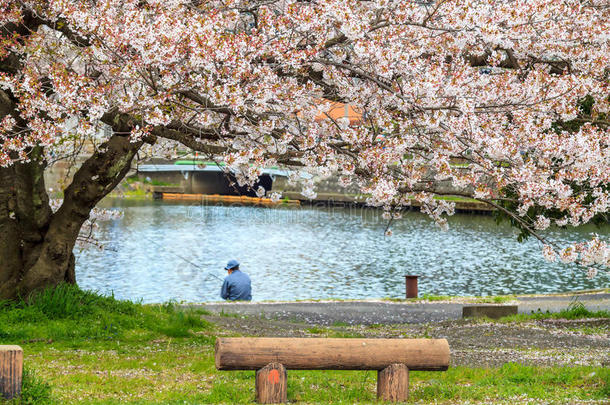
(339, 110)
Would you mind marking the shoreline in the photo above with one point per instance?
(457, 299)
(412, 311)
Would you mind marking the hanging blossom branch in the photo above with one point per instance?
(86, 237)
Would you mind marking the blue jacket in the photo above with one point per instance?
(236, 287)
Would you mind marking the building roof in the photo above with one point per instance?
(341, 110)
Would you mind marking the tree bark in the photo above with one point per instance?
(38, 249)
(393, 383)
(24, 217)
(331, 354)
(36, 245)
(11, 371)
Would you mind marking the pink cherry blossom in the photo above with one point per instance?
(462, 95)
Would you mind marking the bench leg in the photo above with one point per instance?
(271, 383)
(393, 383)
(11, 371)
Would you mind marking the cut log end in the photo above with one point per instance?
(393, 383)
(11, 371)
(271, 384)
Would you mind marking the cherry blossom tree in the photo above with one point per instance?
(506, 101)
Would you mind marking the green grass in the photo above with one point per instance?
(503, 298)
(333, 333)
(432, 297)
(560, 384)
(576, 310)
(316, 330)
(231, 314)
(69, 315)
(34, 390)
(136, 194)
(84, 348)
(154, 182)
(86, 327)
(590, 330)
(498, 299)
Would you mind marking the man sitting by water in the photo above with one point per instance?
(236, 286)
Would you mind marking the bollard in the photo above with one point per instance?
(411, 284)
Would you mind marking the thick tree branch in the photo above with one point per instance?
(188, 140)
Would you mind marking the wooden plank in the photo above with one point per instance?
(393, 383)
(271, 384)
(11, 371)
(331, 354)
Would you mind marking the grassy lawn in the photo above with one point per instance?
(84, 348)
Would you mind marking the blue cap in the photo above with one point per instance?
(232, 264)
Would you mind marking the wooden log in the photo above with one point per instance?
(393, 383)
(331, 354)
(11, 371)
(271, 384)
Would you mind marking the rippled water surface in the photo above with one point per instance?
(316, 253)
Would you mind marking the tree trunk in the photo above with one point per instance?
(24, 217)
(36, 245)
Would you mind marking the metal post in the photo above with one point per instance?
(411, 284)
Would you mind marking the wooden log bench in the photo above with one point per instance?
(271, 357)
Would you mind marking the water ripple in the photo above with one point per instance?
(316, 253)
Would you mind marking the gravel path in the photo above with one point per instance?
(473, 342)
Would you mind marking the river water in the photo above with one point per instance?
(316, 253)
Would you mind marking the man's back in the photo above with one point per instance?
(236, 287)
